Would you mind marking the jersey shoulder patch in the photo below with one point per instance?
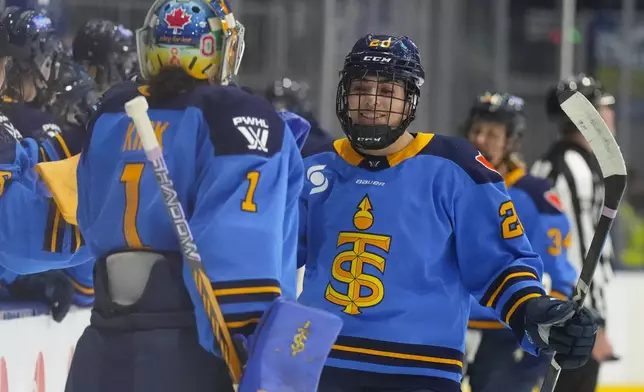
(541, 193)
(240, 123)
(465, 155)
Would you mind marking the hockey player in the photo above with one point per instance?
(577, 179)
(291, 95)
(75, 95)
(397, 231)
(106, 50)
(32, 84)
(8, 54)
(20, 280)
(495, 126)
(32, 80)
(238, 174)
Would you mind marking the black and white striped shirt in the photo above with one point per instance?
(577, 179)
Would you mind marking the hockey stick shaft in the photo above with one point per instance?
(589, 122)
(136, 109)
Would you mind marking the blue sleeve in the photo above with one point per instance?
(33, 235)
(299, 126)
(495, 258)
(548, 230)
(302, 233)
(555, 233)
(244, 209)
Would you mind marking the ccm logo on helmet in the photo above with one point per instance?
(377, 59)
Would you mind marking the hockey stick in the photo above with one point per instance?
(589, 122)
(137, 109)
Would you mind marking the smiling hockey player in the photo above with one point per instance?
(397, 230)
(495, 126)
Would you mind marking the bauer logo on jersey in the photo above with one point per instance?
(483, 161)
(317, 178)
(255, 130)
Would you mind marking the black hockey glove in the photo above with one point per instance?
(54, 288)
(553, 325)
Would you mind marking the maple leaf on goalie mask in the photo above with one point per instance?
(177, 19)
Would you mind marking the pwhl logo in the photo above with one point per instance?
(255, 130)
(177, 19)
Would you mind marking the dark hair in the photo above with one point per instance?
(170, 82)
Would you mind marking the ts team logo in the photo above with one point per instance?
(481, 159)
(177, 19)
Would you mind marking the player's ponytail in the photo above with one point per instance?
(170, 82)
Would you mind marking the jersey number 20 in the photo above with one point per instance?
(510, 225)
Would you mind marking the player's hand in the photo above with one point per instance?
(555, 325)
(51, 287)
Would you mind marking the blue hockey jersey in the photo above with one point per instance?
(238, 174)
(37, 211)
(548, 230)
(395, 246)
(34, 237)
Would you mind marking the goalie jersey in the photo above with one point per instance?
(396, 245)
(540, 213)
(238, 173)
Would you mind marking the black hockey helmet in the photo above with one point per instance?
(586, 85)
(389, 58)
(107, 49)
(33, 32)
(503, 108)
(291, 95)
(75, 95)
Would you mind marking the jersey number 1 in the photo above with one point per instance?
(131, 177)
(248, 204)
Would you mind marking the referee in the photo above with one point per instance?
(577, 179)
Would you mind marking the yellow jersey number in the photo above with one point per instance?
(131, 178)
(510, 224)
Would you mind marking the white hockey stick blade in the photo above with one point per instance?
(586, 118)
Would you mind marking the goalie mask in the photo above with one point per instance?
(202, 38)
